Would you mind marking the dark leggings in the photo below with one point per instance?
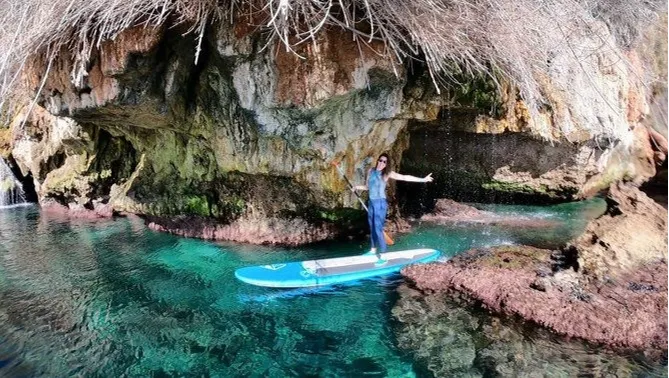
(377, 218)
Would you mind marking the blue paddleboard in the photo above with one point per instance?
(331, 271)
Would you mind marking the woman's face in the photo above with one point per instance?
(381, 163)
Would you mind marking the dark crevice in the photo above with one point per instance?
(464, 166)
(60, 198)
(86, 90)
(567, 258)
(26, 181)
(656, 187)
(115, 160)
(55, 161)
(194, 78)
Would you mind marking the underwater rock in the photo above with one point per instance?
(449, 339)
(439, 334)
(513, 280)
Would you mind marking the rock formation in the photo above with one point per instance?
(607, 286)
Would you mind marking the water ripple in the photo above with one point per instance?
(112, 298)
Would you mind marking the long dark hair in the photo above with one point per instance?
(386, 170)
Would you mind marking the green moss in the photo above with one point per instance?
(198, 205)
(226, 209)
(230, 207)
(476, 94)
(339, 215)
(104, 174)
(512, 187)
(479, 91)
(612, 174)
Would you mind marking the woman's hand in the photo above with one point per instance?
(396, 176)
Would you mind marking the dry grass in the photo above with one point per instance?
(510, 39)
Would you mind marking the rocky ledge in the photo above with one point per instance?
(447, 211)
(608, 286)
(281, 231)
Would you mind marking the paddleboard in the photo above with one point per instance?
(333, 270)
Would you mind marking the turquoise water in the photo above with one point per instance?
(112, 298)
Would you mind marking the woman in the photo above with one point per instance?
(377, 178)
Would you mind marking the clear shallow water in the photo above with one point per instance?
(112, 298)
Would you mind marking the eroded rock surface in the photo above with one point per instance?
(608, 286)
(446, 339)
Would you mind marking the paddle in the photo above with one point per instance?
(389, 241)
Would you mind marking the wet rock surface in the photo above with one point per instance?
(447, 211)
(447, 338)
(280, 231)
(632, 232)
(608, 287)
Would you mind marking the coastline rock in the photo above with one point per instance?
(632, 232)
(448, 211)
(429, 326)
(518, 281)
(148, 130)
(609, 286)
(280, 231)
(74, 210)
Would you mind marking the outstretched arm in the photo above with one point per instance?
(396, 176)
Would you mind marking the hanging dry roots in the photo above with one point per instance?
(511, 39)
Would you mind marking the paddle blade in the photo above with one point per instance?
(389, 241)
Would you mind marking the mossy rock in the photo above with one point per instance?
(341, 215)
(229, 207)
(349, 222)
(512, 187)
(198, 205)
(480, 93)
